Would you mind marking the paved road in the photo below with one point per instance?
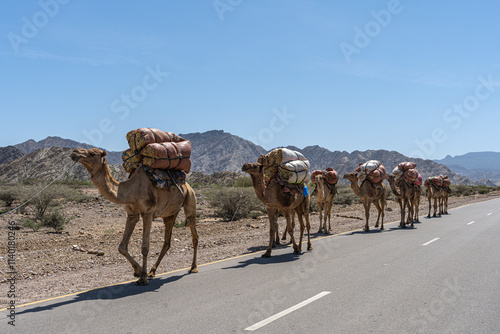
(443, 276)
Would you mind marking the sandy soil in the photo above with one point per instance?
(47, 264)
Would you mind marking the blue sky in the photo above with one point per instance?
(418, 77)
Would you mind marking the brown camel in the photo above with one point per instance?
(405, 195)
(369, 193)
(277, 201)
(141, 199)
(434, 193)
(325, 195)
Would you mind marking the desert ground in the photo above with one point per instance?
(50, 264)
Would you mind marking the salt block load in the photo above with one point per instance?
(372, 170)
(330, 174)
(291, 166)
(156, 149)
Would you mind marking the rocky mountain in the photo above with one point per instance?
(481, 167)
(212, 151)
(31, 145)
(9, 153)
(344, 162)
(46, 164)
(215, 151)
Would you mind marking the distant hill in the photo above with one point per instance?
(212, 152)
(481, 167)
(46, 164)
(344, 162)
(216, 151)
(9, 153)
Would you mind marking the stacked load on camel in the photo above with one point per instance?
(285, 166)
(441, 181)
(409, 172)
(330, 174)
(372, 170)
(163, 155)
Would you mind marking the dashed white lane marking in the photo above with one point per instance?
(472, 222)
(489, 214)
(287, 311)
(430, 242)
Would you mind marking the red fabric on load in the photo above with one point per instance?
(378, 175)
(411, 174)
(331, 176)
(140, 138)
(407, 165)
(418, 182)
(168, 155)
(437, 180)
(314, 173)
(446, 180)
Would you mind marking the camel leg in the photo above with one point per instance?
(169, 225)
(379, 213)
(435, 206)
(308, 227)
(367, 204)
(400, 201)
(329, 215)
(429, 200)
(194, 236)
(290, 227)
(272, 214)
(320, 207)
(132, 220)
(147, 220)
(301, 224)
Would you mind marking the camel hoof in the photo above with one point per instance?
(309, 248)
(266, 255)
(142, 281)
(296, 251)
(193, 271)
(137, 275)
(151, 274)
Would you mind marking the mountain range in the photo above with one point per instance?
(212, 151)
(477, 166)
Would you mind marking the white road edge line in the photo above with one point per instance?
(472, 222)
(287, 311)
(429, 242)
(489, 214)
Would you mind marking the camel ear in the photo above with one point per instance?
(104, 153)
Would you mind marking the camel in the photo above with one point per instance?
(369, 193)
(325, 195)
(434, 193)
(141, 199)
(405, 195)
(277, 201)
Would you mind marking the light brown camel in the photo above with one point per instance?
(405, 195)
(277, 201)
(369, 193)
(141, 199)
(325, 195)
(434, 193)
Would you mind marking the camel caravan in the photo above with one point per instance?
(158, 162)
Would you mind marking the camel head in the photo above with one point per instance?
(252, 168)
(91, 159)
(390, 177)
(351, 176)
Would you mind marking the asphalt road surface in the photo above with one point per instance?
(442, 276)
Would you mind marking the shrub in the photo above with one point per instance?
(482, 189)
(463, 190)
(8, 197)
(55, 220)
(234, 203)
(243, 181)
(33, 224)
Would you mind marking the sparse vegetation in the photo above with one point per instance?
(55, 220)
(8, 196)
(234, 203)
